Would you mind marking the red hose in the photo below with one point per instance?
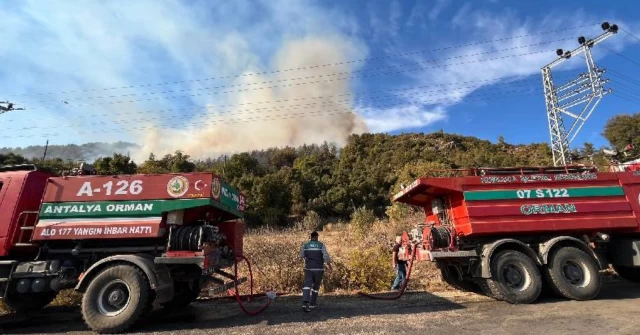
(235, 291)
(404, 285)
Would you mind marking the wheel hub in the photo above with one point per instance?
(513, 277)
(573, 273)
(113, 298)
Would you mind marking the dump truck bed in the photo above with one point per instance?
(533, 203)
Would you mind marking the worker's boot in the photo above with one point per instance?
(305, 307)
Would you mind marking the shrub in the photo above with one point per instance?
(362, 221)
(310, 222)
(398, 212)
(370, 269)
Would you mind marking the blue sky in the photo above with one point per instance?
(216, 77)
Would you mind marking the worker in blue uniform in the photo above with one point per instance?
(315, 257)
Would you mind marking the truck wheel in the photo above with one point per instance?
(515, 278)
(28, 302)
(450, 276)
(573, 274)
(115, 299)
(185, 293)
(629, 273)
(484, 287)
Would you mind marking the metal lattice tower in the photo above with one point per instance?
(587, 90)
(6, 106)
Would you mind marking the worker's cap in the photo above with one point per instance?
(314, 234)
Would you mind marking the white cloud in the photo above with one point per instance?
(400, 117)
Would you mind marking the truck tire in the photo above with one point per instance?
(484, 287)
(629, 273)
(450, 276)
(28, 302)
(116, 298)
(185, 293)
(573, 274)
(515, 278)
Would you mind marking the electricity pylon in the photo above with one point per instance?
(587, 88)
(9, 107)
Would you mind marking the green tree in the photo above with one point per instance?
(12, 159)
(622, 130)
(152, 166)
(115, 165)
(588, 149)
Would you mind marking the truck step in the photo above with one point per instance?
(222, 288)
(8, 262)
(25, 245)
(28, 228)
(224, 274)
(4, 280)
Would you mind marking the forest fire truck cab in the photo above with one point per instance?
(127, 242)
(508, 231)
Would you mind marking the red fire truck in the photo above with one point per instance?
(127, 242)
(509, 231)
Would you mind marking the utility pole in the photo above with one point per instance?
(587, 89)
(46, 146)
(6, 106)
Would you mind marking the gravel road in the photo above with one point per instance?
(615, 312)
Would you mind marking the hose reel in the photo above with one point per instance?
(438, 237)
(191, 238)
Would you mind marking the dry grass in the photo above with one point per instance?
(359, 263)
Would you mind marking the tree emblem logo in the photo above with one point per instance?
(215, 188)
(177, 186)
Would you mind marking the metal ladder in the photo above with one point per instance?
(26, 231)
(5, 276)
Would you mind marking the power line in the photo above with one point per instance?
(402, 91)
(349, 73)
(630, 34)
(625, 97)
(625, 88)
(313, 82)
(623, 77)
(308, 67)
(622, 56)
(267, 118)
(291, 108)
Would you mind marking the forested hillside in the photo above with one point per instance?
(286, 183)
(83, 152)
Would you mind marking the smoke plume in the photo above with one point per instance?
(305, 106)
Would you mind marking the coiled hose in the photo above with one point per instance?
(404, 285)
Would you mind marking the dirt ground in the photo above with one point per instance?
(615, 312)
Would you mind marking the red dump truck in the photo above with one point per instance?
(506, 232)
(127, 242)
